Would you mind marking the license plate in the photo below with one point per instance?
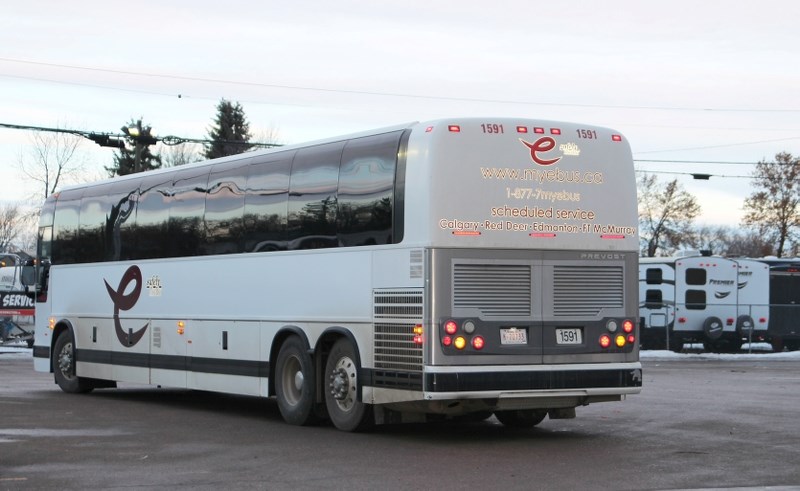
(513, 335)
(569, 336)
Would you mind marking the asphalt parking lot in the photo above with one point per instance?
(700, 422)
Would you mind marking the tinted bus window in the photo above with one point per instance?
(366, 190)
(66, 245)
(224, 219)
(266, 202)
(152, 217)
(187, 200)
(121, 223)
(94, 211)
(312, 197)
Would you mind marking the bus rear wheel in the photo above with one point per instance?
(342, 388)
(64, 366)
(521, 418)
(295, 383)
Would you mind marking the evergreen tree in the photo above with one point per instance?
(125, 162)
(230, 133)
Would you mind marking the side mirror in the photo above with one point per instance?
(28, 276)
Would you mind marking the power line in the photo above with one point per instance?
(381, 94)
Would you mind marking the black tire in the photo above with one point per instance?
(295, 383)
(745, 326)
(64, 366)
(521, 418)
(342, 389)
(713, 328)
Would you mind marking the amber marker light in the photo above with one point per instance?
(51, 323)
(460, 342)
(620, 341)
(181, 327)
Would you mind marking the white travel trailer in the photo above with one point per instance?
(689, 298)
(752, 297)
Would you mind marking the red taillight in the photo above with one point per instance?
(729, 321)
(627, 326)
(450, 327)
(682, 320)
(762, 320)
(478, 342)
(447, 340)
(605, 341)
(631, 339)
(417, 339)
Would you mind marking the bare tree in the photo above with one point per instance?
(12, 225)
(54, 159)
(666, 213)
(180, 154)
(774, 208)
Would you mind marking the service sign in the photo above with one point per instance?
(534, 185)
(15, 303)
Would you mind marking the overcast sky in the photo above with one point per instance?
(701, 81)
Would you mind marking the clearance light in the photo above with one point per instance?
(522, 129)
(627, 326)
(478, 342)
(555, 131)
(620, 341)
(466, 232)
(612, 236)
(682, 320)
(450, 327)
(605, 341)
(538, 130)
(616, 138)
(454, 128)
(181, 327)
(447, 340)
(428, 129)
(460, 342)
(51, 323)
(542, 235)
(418, 334)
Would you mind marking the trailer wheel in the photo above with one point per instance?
(295, 383)
(341, 386)
(521, 418)
(744, 326)
(713, 328)
(64, 366)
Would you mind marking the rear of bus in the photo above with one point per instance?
(530, 250)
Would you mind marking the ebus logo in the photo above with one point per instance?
(542, 145)
(126, 302)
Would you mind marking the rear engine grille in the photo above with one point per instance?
(395, 314)
(496, 290)
(584, 291)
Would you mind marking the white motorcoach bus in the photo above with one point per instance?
(449, 268)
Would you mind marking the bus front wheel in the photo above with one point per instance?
(294, 383)
(341, 388)
(64, 366)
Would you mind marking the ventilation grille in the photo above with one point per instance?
(496, 290)
(396, 313)
(584, 291)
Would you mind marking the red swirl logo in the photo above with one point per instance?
(126, 302)
(543, 144)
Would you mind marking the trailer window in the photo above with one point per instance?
(695, 299)
(695, 276)
(653, 299)
(654, 276)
